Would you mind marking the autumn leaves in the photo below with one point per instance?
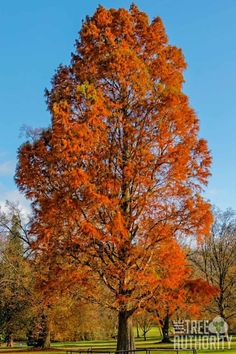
(116, 179)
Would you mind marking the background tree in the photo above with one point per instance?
(121, 167)
(21, 299)
(15, 275)
(214, 259)
(144, 321)
(179, 292)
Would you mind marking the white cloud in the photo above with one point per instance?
(15, 196)
(213, 191)
(8, 191)
(7, 168)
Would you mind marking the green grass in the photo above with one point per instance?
(153, 338)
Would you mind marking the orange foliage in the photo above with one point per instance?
(121, 168)
(178, 290)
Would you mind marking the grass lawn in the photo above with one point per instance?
(153, 338)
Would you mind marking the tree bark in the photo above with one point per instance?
(9, 340)
(125, 339)
(165, 325)
(44, 340)
(47, 340)
(137, 330)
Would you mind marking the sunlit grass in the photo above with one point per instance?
(153, 341)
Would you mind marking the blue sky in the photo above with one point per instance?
(36, 36)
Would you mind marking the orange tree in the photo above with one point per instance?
(121, 167)
(179, 292)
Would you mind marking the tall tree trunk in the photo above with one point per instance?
(137, 331)
(9, 340)
(44, 340)
(165, 325)
(225, 336)
(125, 339)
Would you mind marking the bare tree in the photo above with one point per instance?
(215, 260)
(145, 323)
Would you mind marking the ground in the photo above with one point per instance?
(152, 342)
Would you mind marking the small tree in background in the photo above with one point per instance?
(15, 276)
(214, 260)
(179, 292)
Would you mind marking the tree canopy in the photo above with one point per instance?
(118, 175)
